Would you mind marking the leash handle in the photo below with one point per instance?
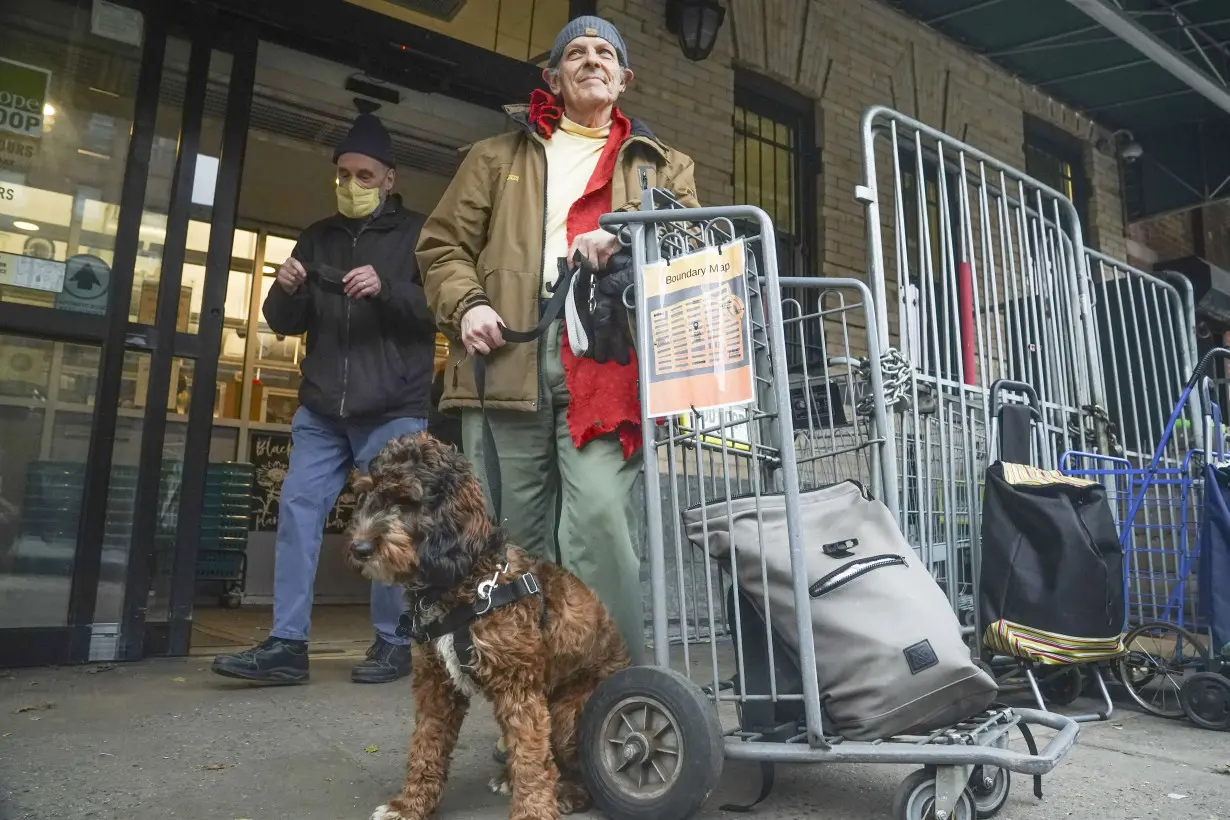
(491, 459)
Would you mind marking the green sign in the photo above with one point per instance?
(23, 93)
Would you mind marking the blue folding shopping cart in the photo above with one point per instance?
(1174, 523)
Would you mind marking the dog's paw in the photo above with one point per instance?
(386, 813)
(572, 798)
(499, 785)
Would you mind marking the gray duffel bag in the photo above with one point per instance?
(889, 653)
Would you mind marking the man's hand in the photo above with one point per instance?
(597, 246)
(291, 275)
(361, 283)
(481, 330)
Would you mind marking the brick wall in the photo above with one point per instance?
(847, 55)
(1165, 237)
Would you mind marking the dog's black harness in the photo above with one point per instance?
(491, 595)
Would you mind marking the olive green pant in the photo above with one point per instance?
(572, 506)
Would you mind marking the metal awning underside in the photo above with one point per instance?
(1121, 82)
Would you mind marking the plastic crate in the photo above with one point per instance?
(220, 565)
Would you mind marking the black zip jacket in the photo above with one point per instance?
(366, 358)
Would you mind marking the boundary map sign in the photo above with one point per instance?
(701, 356)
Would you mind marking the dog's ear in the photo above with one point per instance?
(458, 530)
(396, 467)
(361, 483)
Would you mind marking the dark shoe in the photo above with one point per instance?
(275, 661)
(386, 662)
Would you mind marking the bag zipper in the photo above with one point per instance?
(849, 572)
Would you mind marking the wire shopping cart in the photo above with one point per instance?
(1174, 528)
(808, 410)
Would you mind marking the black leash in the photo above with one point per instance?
(491, 461)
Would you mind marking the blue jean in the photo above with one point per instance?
(322, 454)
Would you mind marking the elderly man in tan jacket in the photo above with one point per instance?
(567, 429)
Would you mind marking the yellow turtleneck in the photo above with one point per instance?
(572, 155)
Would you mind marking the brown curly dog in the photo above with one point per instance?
(487, 619)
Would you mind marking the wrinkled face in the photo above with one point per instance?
(420, 518)
(589, 77)
(367, 172)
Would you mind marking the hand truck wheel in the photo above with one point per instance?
(1160, 653)
(651, 745)
(1206, 701)
(915, 799)
(989, 786)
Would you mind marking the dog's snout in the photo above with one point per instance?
(361, 549)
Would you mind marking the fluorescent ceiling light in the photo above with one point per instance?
(24, 226)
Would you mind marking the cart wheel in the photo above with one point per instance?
(1159, 656)
(915, 799)
(1064, 687)
(231, 600)
(1206, 701)
(650, 745)
(989, 787)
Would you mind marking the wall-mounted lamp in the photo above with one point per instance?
(696, 23)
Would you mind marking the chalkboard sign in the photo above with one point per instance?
(270, 457)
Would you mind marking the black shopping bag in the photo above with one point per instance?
(1051, 559)
(1213, 565)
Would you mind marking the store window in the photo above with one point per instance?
(68, 82)
(520, 29)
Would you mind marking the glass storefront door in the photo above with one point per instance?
(121, 139)
(136, 373)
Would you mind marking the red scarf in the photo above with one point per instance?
(605, 398)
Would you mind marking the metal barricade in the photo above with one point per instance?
(980, 263)
(1146, 334)
(980, 273)
(814, 413)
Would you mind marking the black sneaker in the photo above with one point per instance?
(277, 660)
(386, 662)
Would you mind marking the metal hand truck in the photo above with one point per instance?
(653, 739)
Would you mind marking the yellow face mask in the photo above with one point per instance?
(354, 201)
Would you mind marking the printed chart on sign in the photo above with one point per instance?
(701, 352)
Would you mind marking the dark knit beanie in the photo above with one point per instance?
(588, 26)
(369, 137)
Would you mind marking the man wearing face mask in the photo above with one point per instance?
(353, 286)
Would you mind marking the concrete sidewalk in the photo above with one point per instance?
(167, 739)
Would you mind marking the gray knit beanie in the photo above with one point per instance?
(588, 26)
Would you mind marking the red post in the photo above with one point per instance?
(965, 307)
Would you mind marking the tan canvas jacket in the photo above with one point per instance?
(486, 238)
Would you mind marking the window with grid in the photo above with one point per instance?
(1056, 158)
(774, 168)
